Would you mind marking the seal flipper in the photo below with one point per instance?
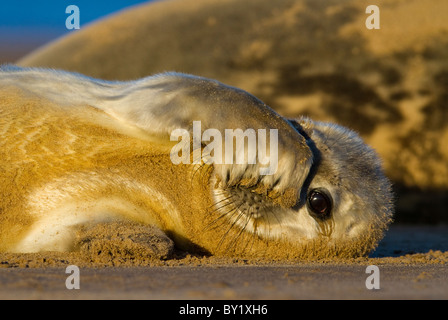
(166, 102)
(122, 240)
(162, 103)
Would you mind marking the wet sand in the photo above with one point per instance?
(412, 262)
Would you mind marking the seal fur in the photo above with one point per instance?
(79, 151)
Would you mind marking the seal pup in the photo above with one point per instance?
(78, 152)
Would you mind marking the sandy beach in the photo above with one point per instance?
(300, 281)
(412, 262)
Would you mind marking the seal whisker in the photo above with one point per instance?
(239, 213)
(201, 165)
(219, 208)
(216, 203)
(233, 242)
(220, 216)
(197, 169)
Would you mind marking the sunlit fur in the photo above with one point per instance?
(77, 151)
(345, 167)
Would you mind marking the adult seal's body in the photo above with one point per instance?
(77, 152)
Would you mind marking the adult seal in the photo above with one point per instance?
(78, 152)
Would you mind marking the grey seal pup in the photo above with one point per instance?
(78, 151)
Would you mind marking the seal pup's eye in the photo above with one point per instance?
(319, 202)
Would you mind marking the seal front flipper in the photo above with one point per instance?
(163, 103)
(122, 240)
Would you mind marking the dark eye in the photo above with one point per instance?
(319, 203)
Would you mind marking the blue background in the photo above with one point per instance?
(27, 24)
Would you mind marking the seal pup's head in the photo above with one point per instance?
(345, 202)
